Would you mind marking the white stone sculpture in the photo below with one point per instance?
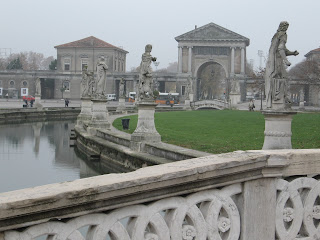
(145, 76)
(38, 86)
(101, 68)
(86, 83)
(121, 88)
(276, 85)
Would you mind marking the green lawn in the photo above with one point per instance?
(226, 131)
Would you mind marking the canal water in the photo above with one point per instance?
(39, 153)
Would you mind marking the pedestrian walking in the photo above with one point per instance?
(66, 102)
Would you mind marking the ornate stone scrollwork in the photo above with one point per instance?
(205, 215)
(297, 212)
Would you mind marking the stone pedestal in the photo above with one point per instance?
(86, 113)
(145, 131)
(235, 98)
(301, 105)
(187, 104)
(191, 97)
(99, 116)
(277, 134)
(37, 103)
(122, 105)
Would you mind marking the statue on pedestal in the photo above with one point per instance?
(276, 85)
(145, 76)
(121, 89)
(101, 78)
(38, 86)
(86, 83)
(188, 88)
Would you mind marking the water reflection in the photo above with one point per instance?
(39, 153)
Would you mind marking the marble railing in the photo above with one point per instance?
(241, 195)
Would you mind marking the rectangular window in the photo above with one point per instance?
(84, 62)
(115, 65)
(66, 86)
(67, 62)
(183, 90)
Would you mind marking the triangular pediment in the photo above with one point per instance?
(211, 32)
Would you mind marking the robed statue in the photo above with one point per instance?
(101, 68)
(145, 76)
(38, 86)
(276, 82)
(121, 88)
(87, 83)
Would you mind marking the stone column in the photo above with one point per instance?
(232, 61)
(190, 60)
(180, 59)
(146, 130)
(259, 209)
(242, 61)
(99, 116)
(277, 134)
(86, 114)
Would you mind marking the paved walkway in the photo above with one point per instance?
(17, 103)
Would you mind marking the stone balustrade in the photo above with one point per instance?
(267, 194)
(215, 103)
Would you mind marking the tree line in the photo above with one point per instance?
(28, 61)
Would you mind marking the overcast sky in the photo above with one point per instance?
(39, 25)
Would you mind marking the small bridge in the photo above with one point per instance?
(216, 104)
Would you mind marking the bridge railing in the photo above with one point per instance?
(215, 103)
(241, 195)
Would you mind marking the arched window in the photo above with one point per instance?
(24, 83)
(11, 84)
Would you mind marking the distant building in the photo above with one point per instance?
(73, 56)
(313, 55)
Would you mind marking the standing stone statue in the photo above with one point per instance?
(121, 88)
(101, 78)
(38, 86)
(276, 85)
(86, 83)
(145, 76)
(188, 89)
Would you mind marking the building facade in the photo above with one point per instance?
(212, 55)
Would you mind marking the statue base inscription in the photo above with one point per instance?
(277, 134)
(86, 114)
(145, 131)
(99, 116)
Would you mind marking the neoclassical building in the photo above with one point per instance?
(73, 56)
(211, 55)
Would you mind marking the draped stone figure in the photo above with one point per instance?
(101, 78)
(121, 89)
(188, 88)
(38, 86)
(145, 76)
(276, 85)
(86, 83)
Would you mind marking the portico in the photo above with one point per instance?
(211, 43)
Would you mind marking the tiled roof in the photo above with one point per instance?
(88, 42)
(317, 50)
